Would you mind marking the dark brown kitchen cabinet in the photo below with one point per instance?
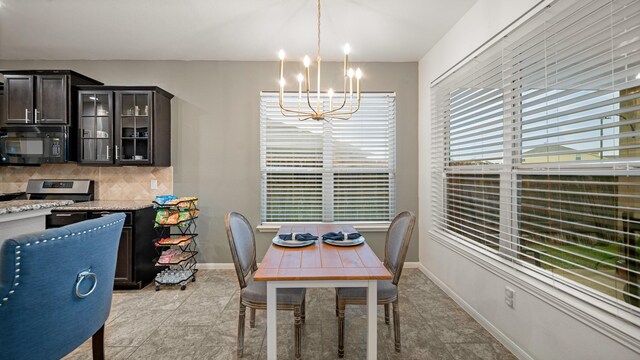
(124, 125)
(35, 97)
(124, 265)
(2, 115)
(135, 266)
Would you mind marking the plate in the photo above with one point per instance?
(353, 242)
(276, 240)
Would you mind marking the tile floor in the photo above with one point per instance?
(201, 323)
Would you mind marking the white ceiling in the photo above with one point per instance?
(252, 30)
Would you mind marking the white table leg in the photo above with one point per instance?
(372, 318)
(272, 352)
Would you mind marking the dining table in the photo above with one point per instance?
(321, 265)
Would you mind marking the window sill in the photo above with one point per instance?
(364, 227)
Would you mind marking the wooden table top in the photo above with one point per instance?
(320, 261)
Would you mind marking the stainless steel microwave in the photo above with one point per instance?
(34, 145)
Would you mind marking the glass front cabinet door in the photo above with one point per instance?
(96, 127)
(133, 127)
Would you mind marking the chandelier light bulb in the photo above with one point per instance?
(281, 54)
(358, 73)
(350, 73)
(330, 92)
(282, 82)
(638, 76)
(300, 77)
(347, 49)
(306, 61)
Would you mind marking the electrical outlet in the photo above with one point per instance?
(510, 297)
(154, 184)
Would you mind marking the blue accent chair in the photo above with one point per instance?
(56, 287)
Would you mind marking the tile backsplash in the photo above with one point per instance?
(111, 183)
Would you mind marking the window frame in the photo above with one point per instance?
(509, 172)
(327, 171)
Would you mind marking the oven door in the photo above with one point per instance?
(34, 146)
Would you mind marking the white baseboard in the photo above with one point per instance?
(499, 335)
(412, 265)
(227, 266)
(215, 266)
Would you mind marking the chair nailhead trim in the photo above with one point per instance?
(17, 252)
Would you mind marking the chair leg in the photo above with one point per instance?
(252, 318)
(336, 303)
(396, 324)
(303, 310)
(297, 313)
(386, 314)
(341, 308)
(241, 316)
(97, 344)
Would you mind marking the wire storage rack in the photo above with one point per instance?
(175, 224)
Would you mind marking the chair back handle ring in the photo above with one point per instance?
(84, 275)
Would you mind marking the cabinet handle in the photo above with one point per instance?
(35, 116)
(116, 152)
(63, 215)
(108, 157)
(26, 115)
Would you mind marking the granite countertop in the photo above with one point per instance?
(16, 206)
(108, 205)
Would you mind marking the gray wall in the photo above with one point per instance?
(215, 138)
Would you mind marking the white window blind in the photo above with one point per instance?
(536, 150)
(328, 171)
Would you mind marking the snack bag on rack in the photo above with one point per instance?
(183, 202)
(175, 217)
(167, 217)
(163, 199)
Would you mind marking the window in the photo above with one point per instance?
(328, 171)
(536, 150)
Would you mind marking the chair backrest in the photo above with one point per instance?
(397, 243)
(47, 309)
(243, 245)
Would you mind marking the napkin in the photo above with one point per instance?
(339, 236)
(299, 237)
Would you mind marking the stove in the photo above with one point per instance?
(77, 190)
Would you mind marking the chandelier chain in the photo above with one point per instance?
(318, 29)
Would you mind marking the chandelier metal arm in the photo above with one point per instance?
(344, 91)
(331, 113)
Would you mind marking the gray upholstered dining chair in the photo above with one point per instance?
(396, 245)
(253, 294)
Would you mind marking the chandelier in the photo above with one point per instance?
(305, 110)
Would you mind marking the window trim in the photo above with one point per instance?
(273, 227)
